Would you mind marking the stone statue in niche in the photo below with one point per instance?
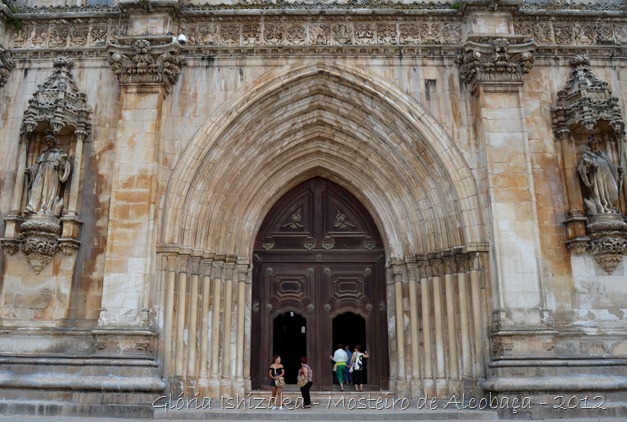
(45, 178)
(600, 178)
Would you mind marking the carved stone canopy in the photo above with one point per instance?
(6, 65)
(586, 111)
(586, 103)
(58, 103)
(495, 60)
(146, 61)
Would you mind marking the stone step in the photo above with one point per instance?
(321, 412)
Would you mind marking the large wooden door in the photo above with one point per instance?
(318, 259)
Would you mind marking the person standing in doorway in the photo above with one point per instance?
(340, 358)
(357, 365)
(305, 374)
(348, 375)
(276, 373)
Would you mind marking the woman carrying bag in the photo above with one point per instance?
(357, 367)
(305, 381)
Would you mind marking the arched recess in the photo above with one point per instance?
(325, 120)
(358, 130)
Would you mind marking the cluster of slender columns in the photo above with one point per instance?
(205, 324)
(440, 301)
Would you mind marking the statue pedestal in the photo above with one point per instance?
(608, 239)
(40, 239)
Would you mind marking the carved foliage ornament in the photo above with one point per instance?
(142, 63)
(6, 65)
(495, 60)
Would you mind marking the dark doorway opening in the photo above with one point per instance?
(350, 330)
(290, 342)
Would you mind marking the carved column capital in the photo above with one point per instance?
(146, 61)
(6, 65)
(495, 60)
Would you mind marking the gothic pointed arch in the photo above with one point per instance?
(310, 121)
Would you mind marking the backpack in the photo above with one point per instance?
(358, 362)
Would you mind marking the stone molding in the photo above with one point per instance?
(492, 60)
(139, 62)
(299, 30)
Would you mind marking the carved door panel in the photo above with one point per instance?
(318, 255)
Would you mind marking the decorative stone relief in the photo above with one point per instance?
(139, 62)
(490, 60)
(6, 65)
(586, 113)
(48, 219)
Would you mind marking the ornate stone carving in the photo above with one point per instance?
(40, 239)
(489, 60)
(38, 225)
(586, 110)
(46, 176)
(10, 246)
(599, 177)
(608, 240)
(58, 102)
(6, 65)
(142, 63)
(585, 100)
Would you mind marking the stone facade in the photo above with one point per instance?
(462, 128)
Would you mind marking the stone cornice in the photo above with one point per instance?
(495, 60)
(146, 61)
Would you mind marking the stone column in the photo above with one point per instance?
(401, 386)
(168, 317)
(216, 311)
(227, 379)
(416, 385)
(425, 298)
(145, 72)
(242, 278)
(192, 348)
(203, 373)
(577, 240)
(440, 373)
(493, 66)
(451, 329)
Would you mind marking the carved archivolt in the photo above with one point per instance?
(589, 124)
(44, 211)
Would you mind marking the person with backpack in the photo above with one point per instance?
(357, 367)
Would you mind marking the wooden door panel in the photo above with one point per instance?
(319, 254)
